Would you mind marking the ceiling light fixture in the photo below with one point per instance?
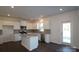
(8, 14)
(61, 9)
(12, 6)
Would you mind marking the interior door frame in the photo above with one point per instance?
(62, 32)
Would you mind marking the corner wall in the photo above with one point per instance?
(56, 27)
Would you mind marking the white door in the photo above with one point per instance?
(7, 29)
(67, 32)
(7, 33)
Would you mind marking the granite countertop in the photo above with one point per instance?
(30, 34)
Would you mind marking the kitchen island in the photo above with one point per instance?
(30, 41)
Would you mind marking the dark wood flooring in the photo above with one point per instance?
(43, 47)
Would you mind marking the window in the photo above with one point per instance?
(40, 25)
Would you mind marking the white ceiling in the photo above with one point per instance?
(27, 12)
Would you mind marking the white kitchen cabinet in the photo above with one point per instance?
(30, 42)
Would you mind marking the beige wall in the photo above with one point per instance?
(56, 27)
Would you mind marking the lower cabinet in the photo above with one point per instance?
(30, 42)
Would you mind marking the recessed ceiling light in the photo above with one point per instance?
(12, 6)
(61, 9)
(8, 14)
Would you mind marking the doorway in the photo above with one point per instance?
(8, 33)
(7, 29)
(67, 33)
